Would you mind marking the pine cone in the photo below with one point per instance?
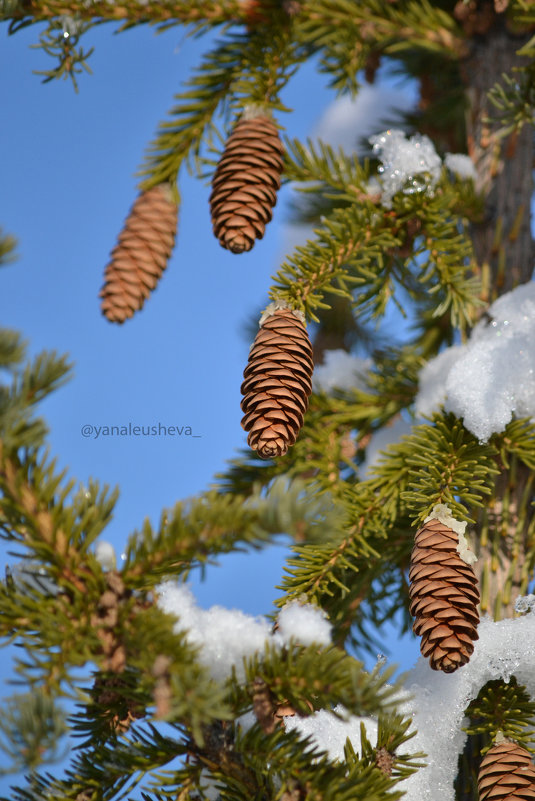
(277, 382)
(245, 184)
(444, 596)
(141, 254)
(506, 774)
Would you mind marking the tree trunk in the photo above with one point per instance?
(503, 248)
(502, 240)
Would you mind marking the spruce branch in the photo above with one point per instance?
(242, 69)
(59, 40)
(514, 101)
(446, 462)
(419, 25)
(8, 244)
(309, 678)
(505, 707)
(195, 12)
(31, 729)
(191, 534)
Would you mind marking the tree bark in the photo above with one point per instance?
(504, 252)
(503, 243)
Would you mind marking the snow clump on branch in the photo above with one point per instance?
(505, 648)
(413, 165)
(226, 636)
(407, 165)
(492, 377)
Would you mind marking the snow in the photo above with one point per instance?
(437, 702)
(461, 165)
(442, 512)
(491, 378)
(525, 603)
(505, 648)
(105, 555)
(340, 370)
(432, 380)
(407, 165)
(304, 623)
(329, 733)
(226, 636)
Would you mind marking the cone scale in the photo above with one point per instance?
(141, 254)
(246, 181)
(443, 592)
(506, 774)
(277, 382)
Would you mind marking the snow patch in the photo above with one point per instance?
(491, 378)
(329, 733)
(226, 636)
(461, 165)
(340, 370)
(407, 165)
(505, 648)
(305, 623)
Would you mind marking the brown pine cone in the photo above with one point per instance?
(141, 254)
(245, 184)
(443, 592)
(506, 774)
(277, 381)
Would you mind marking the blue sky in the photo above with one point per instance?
(67, 184)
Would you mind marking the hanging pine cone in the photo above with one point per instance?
(277, 381)
(245, 184)
(506, 774)
(443, 591)
(141, 254)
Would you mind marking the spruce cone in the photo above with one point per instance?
(277, 382)
(141, 254)
(506, 774)
(244, 187)
(443, 592)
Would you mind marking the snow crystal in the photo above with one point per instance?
(460, 164)
(275, 306)
(341, 370)
(225, 636)
(492, 377)
(525, 603)
(505, 648)
(105, 555)
(329, 733)
(304, 623)
(407, 165)
(380, 440)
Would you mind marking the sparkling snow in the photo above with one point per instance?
(505, 648)
(329, 733)
(340, 370)
(407, 165)
(437, 702)
(226, 636)
(491, 378)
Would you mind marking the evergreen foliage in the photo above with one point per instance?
(150, 714)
